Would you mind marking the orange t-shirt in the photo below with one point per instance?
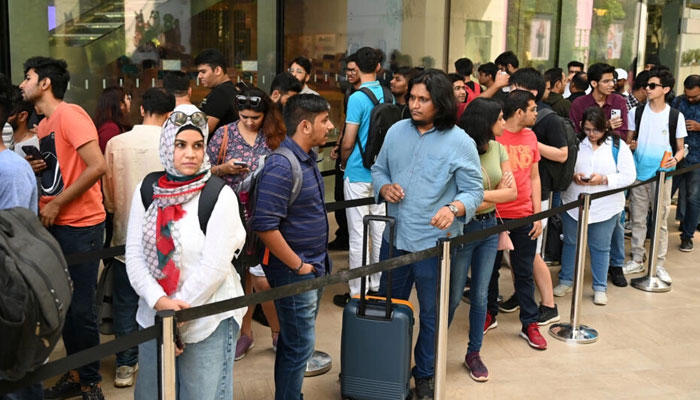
(60, 136)
(523, 153)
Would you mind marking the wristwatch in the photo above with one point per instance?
(452, 208)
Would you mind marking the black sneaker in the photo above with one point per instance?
(425, 389)
(510, 305)
(465, 296)
(341, 300)
(547, 315)
(617, 276)
(63, 389)
(92, 392)
(686, 245)
(339, 244)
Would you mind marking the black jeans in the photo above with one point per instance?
(521, 259)
(341, 235)
(80, 330)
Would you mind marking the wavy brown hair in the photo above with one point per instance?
(109, 108)
(273, 124)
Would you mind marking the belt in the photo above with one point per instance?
(483, 217)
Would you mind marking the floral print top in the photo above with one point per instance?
(237, 147)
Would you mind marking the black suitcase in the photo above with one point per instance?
(376, 341)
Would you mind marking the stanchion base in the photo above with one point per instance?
(566, 333)
(650, 284)
(319, 364)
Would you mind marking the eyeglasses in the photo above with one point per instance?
(606, 81)
(179, 118)
(350, 71)
(298, 71)
(588, 131)
(652, 86)
(254, 101)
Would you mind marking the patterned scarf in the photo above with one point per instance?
(162, 244)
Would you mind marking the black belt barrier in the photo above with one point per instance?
(96, 353)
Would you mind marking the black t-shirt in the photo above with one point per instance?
(219, 103)
(500, 95)
(549, 131)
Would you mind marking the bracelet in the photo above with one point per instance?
(296, 270)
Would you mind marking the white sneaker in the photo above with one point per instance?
(600, 298)
(561, 290)
(124, 376)
(632, 267)
(663, 275)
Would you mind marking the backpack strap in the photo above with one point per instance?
(638, 111)
(543, 113)
(388, 96)
(375, 102)
(297, 174)
(371, 96)
(672, 127)
(147, 187)
(207, 199)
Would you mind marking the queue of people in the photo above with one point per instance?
(461, 159)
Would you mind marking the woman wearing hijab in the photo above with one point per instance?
(187, 267)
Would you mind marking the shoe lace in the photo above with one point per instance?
(533, 330)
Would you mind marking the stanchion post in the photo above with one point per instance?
(574, 331)
(443, 301)
(166, 355)
(650, 283)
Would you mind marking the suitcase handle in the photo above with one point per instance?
(392, 234)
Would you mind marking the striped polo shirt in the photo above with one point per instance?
(304, 223)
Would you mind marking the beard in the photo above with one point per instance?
(418, 122)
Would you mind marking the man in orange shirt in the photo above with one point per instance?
(70, 206)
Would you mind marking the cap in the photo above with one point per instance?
(621, 73)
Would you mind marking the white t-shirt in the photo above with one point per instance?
(653, 139)
(32, 141)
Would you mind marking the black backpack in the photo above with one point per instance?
(672, 125)
(562, 173)
(254, 249)
(382, 117)
(35, 292)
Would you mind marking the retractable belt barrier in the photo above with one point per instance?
(96, 353)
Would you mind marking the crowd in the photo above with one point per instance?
(239, 173)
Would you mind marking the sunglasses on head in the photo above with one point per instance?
(254, 101)
(653, 85)
(179, 118)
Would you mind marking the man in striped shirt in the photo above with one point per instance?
(296, 236)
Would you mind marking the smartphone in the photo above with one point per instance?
(32, 152)
(242, 164)
(585, 179)
(615, 113)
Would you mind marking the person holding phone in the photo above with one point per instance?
(603, 163)
(238, 149)
(188, 267)
(24, 141)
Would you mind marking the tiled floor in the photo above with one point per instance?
(649, 347)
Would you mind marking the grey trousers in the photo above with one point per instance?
(642, 199)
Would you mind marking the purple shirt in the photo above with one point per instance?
(613, 102)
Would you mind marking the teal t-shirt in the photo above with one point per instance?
(358, 113)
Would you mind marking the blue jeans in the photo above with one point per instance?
(692, 204)
(424, 275)
(599, 238)
(521, 259)
(479, 255)
(617, 244)
(295, 345)
(125, 302)
(203, 371)
(80, 330)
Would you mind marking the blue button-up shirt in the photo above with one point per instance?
(304, 223)
(690, 112)
(433, 169)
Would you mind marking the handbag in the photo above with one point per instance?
(504, 242)
(222, 149)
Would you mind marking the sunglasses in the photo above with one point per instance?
(179, 118)
(653, 85)
(254, 101)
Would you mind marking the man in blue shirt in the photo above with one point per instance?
(689, 106)
(357, 178)
(296, 236)
(429, 173)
